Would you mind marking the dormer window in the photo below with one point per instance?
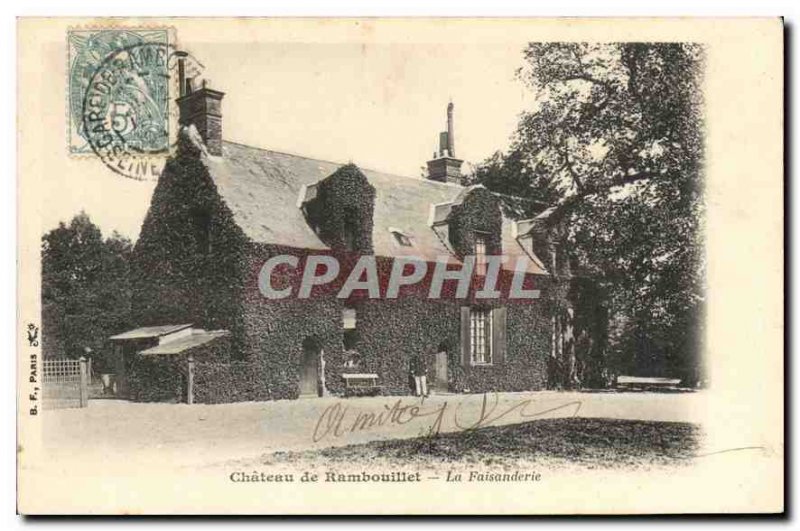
(400, 237)
(480, 253)
(339, 209)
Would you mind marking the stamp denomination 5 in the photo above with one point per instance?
(120, 98)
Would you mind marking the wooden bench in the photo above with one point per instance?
(361, 384)
(645, 383)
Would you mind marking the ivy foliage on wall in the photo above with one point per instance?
(345, 203)
(194, 264)
(188, 265)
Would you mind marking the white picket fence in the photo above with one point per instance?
(65, 383)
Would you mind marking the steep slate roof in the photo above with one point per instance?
(262, 187)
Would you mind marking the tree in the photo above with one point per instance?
(615, 146)
(85, 292)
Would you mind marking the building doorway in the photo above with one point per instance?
(309, 368)
(440, 383)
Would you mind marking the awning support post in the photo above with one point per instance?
(190, 381)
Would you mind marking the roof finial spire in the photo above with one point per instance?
(451, 134)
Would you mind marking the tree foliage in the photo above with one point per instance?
(614, 143)
(85, 292)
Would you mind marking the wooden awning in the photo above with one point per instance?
(184, 344)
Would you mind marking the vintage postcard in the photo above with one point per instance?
(400, 266)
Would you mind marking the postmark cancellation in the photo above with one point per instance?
(120, 97)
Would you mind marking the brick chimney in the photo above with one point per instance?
(202, 107)
(445, 167)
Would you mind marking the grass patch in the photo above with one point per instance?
(585, 442)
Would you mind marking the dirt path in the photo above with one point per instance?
(177, 435)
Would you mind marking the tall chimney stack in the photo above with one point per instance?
(451, 134)
(445, 167)
(181, 55)
(201, 107)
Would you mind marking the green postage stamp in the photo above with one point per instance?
(119, 102)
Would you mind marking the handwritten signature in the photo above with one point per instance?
(339, 419)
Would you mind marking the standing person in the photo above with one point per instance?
(418, 376)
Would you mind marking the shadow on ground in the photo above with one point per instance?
(583, 442)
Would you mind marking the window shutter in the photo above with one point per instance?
(465, 336)
(499, 336)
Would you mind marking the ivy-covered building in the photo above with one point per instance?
(220, 210)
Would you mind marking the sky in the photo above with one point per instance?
(380, 105)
